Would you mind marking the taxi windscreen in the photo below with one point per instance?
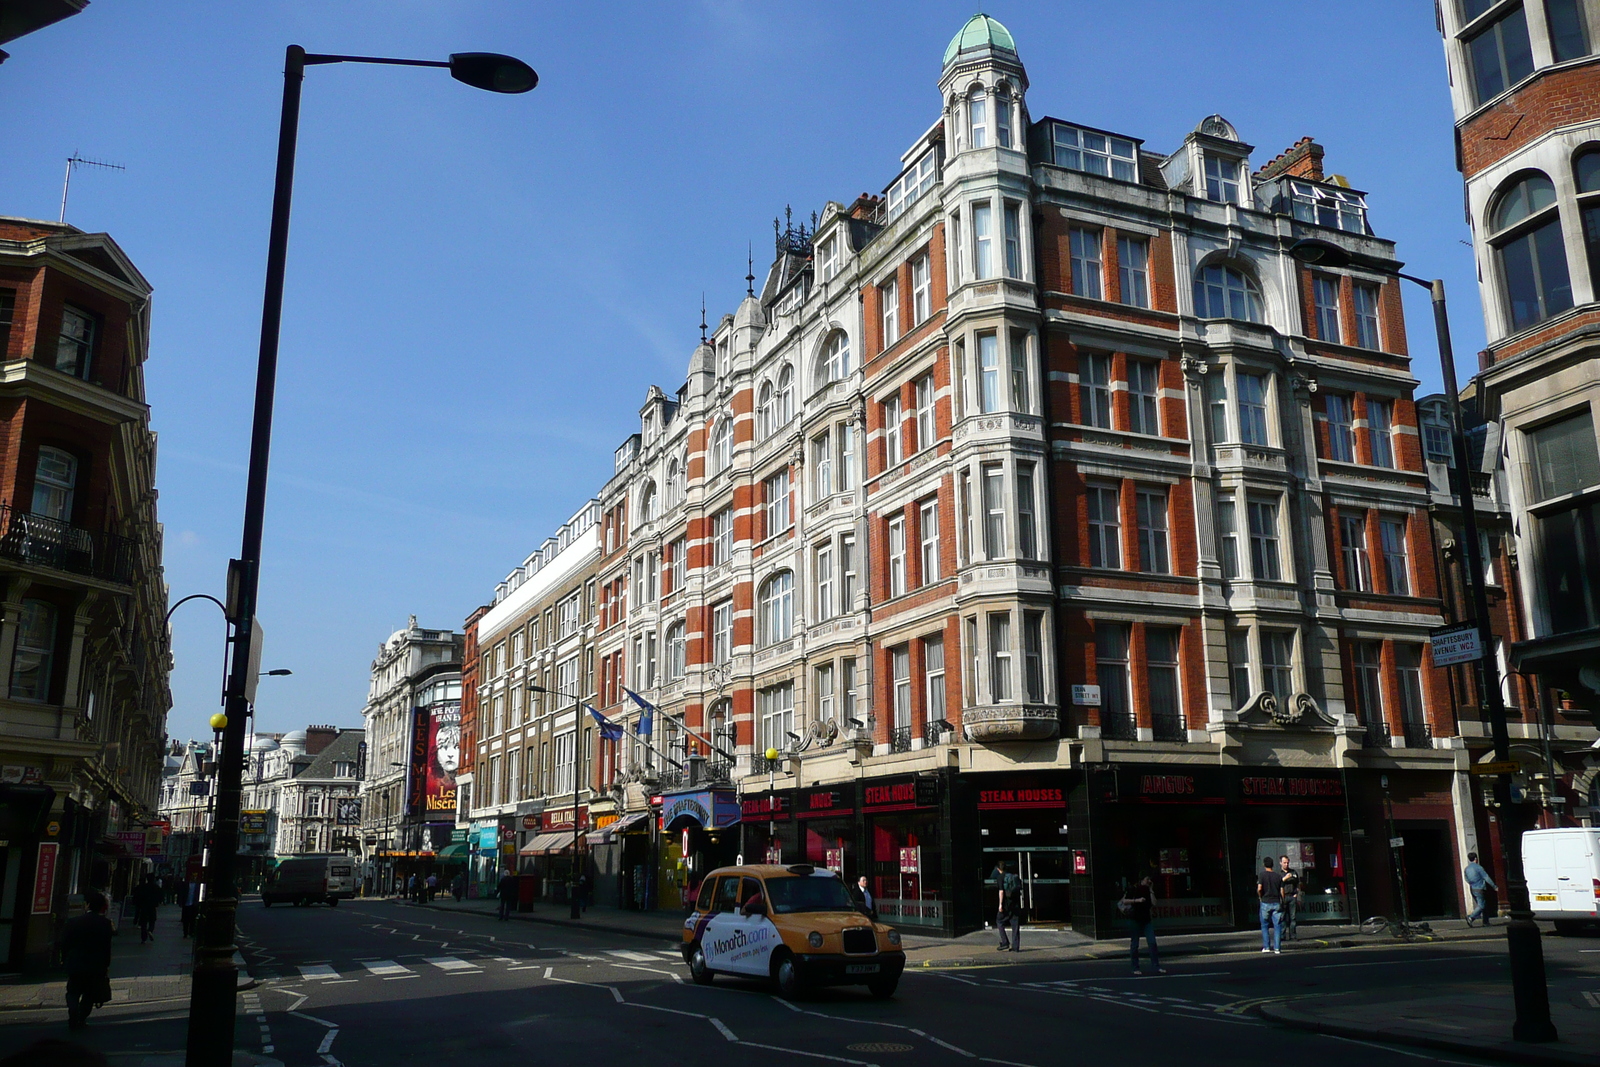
(790, 895)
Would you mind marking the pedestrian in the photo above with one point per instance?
(146, 900)
(86, 952)
(1009, 909)
(458, 886)
(1480, 883)
(1269, 890)
(1291, 898)
(583, 892)
(864, 899)
(507, 890)
(433, 888)
(411, 887)
(1139, 905)
(191, 907)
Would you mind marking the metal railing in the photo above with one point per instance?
(1168, 728)
(759, 764)
(1117, 726)
(1418, 735)
(1377, 735)
(900, 739)
(47, 542)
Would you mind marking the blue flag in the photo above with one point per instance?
(609, 731)
(645, 726)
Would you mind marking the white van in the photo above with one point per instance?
(311, 880)
(1563, 870)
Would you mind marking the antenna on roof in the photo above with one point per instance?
(76, 160)
(702, 318)
(750, 266)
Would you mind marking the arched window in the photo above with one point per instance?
(1526, 234)
(834, 361)
(783, 405)
(764, 424)
(777, 608)
(722, 446)
(720, 729)
(1586, 174)
(55, 475)
(1002, 115)
(674, 482)
(1222, 291)
(675, 652)
(978, 117)
(649, 505)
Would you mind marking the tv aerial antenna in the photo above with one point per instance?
(73, 161)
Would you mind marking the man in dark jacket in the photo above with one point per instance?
(508, 892)
(146, 899)
(86, 951)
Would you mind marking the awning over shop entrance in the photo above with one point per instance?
(457, 851)
(604, 835)
(547, 844)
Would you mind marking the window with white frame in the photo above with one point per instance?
(889, 301)
(1380, 428)
(722, 537)
(900, 675)
(1437, 444)
(76, 341)
(848, 562)
(680, 563)
(897, 555)
(676, 651)
(1013, 225)
(822, 464)
(1226, 292)
(55, 478)
(828, 258)
(1152, 507)
(777, 716)
(1325, 298)
(928, 529)
(1002, 116)
(974, 657)
(1111, 673)
(822, 687)
(848, 706)
(566, 776)
(1222, 179)
(1366, 657)
(776, 488)
(964, 503)
(1264, 562)
(783, 401)
(1095, 153)
(1228, 534)
(1144, 391)
(994, 510)
(909, 187)
(1408, 666)
(1253, 409)
(1094, 383)
(1365, 300)
(921, 289)
(722, 446)
(1341, 433)
(764, 419)
(978, 118)
(988, 372)
(933, 678)
(1239, 666)
(1133, 271)
(1353, 547)
(1087, 269)
(1021, 393)
(893, 452)
(777, 608)
(982, 241)
(835, 362)
(1000, 690)
(1027, 508)
(1033, 676)
(1328, 205)
(1103, 504)
(1396, 571)
(568, 613)
(722, 632)
(925, 431)
(826, 590)
(1277, 664)
(845, 472)
(1161, 645)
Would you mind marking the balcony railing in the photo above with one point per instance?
(900, 739)
(759, 764)
(1378, 735)
(1418, 735)
(1168, 728)
(1116, 726)
(47, 542)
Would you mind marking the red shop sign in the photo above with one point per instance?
(44, 877)
(1002, 799)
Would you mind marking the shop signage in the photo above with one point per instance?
(52, 829)
(911, 860)
(775, 854)
(530, 822)
(603, 821)
(1080, 861)
(1086, 695)
(253, 822)
(18, 774)
(488, 837)
(1397, 842)
(458, 836)
(765, 808)
(1198, 786)
(132, 841)
(347, 811)
(152, 842)
(1002, 799)
(819, 802)
(164, 825)
(902, 794)
(561, 819)
(44, 877)
(1257, 789)
(834, 859)
(712, 809)
(1509, 766)
(1456, 644)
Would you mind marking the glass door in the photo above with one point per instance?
(1046, 873)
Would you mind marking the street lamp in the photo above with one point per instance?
(577, 734)
(1529, 991)
(212, 991)
(281, 672)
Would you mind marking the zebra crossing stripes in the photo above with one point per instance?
(389, 969)
(453, 965)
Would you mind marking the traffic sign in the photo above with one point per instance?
(1509, 766)
(1456, 644)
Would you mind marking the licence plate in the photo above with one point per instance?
(861, 968)
(1544, 896)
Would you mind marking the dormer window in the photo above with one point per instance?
(1330, 206)
(978, 118)
(1222, 179)
(828, 258)
(1095, 153)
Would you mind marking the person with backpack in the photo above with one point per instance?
(1139, 904)
(1010, 908)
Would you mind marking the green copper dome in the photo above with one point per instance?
(981, 31)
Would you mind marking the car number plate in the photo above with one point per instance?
(1544, 896)
(861, 968)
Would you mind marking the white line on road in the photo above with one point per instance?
(1392, 963)
(629, 954)
(327, 1041)
(813, 1055)
(317, 971)
(451, 964)
(1393, 1048)
(386, 968)
(314, 1019)
(723, 1029)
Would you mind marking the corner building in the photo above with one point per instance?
(1042, 509)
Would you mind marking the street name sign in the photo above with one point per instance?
(1456, 644)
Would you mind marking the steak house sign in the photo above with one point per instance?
(1252, 789)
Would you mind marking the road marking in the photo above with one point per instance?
(628, 954)
(451, 965)
(723, 1030)
(314, 1019)
(1392, 963)
(318, 971)
(1593, 999)
(1395, 1048)
(327, 1041)
(384, 968)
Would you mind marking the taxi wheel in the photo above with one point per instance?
(787, 975)
(883, 988)
(698, 971)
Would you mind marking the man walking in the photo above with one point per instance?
(1269, 890)
(146, 900)
(1009, 909)
(864, 899)
(191, 907)
(1291, 899)
(1139, 903)
(508, 892)
(86, 952)
(1480, 883)
(432, 888)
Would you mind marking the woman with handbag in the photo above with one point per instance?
(1138, 904)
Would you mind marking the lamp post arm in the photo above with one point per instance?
(313, 59)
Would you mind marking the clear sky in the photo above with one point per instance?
(481, 287)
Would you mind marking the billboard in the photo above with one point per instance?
(347, 811)
(435, 758)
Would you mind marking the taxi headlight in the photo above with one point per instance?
(814, 939)
(894, 938)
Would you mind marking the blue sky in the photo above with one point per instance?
(481, 287)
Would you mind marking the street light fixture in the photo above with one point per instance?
(1529, 991)
(213, 988)
(281, 672)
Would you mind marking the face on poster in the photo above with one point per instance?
(436, 757)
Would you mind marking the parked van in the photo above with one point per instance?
(311, 880)
(1563, 870)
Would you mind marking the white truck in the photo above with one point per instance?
(1563, 871)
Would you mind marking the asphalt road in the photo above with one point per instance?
(386, 984)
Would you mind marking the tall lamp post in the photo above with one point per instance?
(1529, 991)
(577, 782)
(212, 992)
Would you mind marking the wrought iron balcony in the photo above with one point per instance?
(1116, 727)
(1418, 735)
(1378, 735)
(900, 739)
(759, 764)
(46, 542)
(1169, 728)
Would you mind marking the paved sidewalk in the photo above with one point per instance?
(1470, 1019)
(654, 925)
(152, 972)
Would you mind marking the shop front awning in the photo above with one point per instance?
(457, 851)
(547, 844)
(604, 835)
